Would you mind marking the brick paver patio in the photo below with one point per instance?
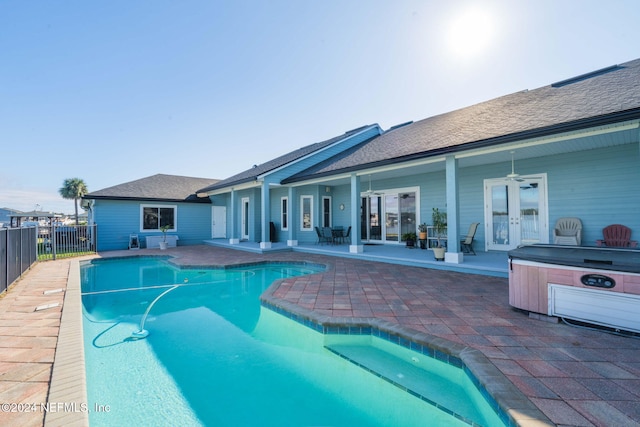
(574, 376)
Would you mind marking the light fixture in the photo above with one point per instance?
(341, 206)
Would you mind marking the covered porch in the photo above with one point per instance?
(491, 263)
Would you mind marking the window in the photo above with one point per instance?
(154, 217)
(326, 211)
(284, 213)
(306, 213)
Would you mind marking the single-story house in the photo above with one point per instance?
(138, 209)
(515, 164)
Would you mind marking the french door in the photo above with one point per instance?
(515, 212)
(387, 216)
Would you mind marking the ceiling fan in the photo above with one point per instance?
(513, 176)
(370, 192)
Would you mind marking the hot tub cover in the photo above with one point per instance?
(623, 260)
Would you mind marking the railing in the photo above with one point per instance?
(66, 241)
(17, 254)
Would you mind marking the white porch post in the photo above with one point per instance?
(356, 246)
(291, 215)
(265, 210)
(234, 201)
(453, 254)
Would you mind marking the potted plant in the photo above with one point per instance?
(422, 231)
(439, 228)
(164, 228)
(410, 239)
(422, 235)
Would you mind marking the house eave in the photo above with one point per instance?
(582, 124)
(149, 199)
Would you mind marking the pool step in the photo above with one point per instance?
(409, 377)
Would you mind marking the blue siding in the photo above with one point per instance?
(116, 220)
(598, 186)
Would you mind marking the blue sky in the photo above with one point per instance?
(113, 91)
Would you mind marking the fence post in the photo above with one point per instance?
(53, 240)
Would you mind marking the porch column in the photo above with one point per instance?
(234, 202)
(265, 210)
(291, 219)
(356, 246)
(453, 254)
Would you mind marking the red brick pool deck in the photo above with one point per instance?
(575, 377)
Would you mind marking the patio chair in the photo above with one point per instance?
(467, 243)
(346, 237)
(321, 238)
(327, 234)
(617, 236)
(568, 231)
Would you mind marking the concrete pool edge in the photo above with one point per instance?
(512, 405)
(68, 379)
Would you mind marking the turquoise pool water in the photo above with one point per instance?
(215, 357)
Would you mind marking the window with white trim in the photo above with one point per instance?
(153, 217)
(326, 211)
(284, 213)
(306, 213)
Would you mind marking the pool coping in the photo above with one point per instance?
(68, 379)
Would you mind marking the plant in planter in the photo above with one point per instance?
(164, 228)
(422, 231)
(422, 235)
(439, 228)
(410, 239)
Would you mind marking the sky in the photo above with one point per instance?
(110, 91)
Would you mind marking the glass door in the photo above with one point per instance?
(386, 217)
(391, 229)
(371, 228)
(515, 212)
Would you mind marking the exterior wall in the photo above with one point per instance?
(117, 219)
(597, 186)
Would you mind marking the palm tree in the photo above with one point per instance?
(73, 189)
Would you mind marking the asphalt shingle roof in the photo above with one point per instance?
(156, 187)
(257, 170)
(599, 94)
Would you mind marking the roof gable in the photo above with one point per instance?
(158, 187)
(287, 159)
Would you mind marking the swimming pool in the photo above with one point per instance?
(215, 356)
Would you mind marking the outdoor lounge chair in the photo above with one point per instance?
(617, 236)
(467, 243)
(568, 231)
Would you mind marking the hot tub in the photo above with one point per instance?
(593, 285)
